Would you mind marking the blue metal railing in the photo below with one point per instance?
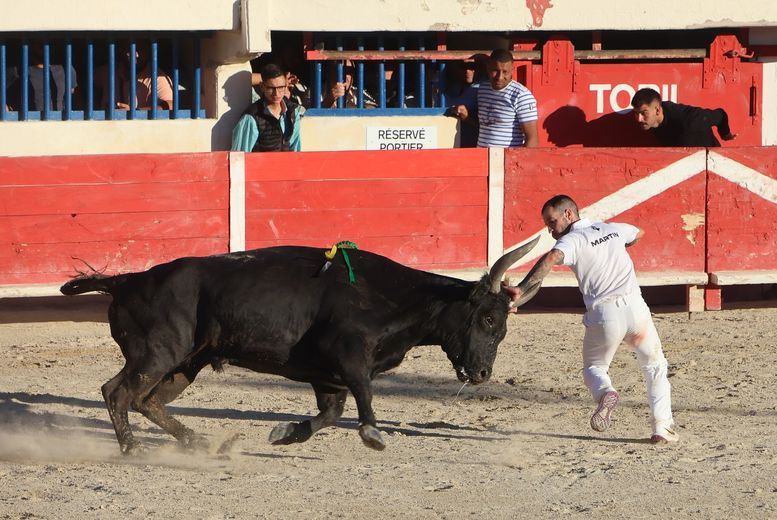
(416, 91)
(39, 78)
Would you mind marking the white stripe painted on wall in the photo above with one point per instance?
(496, 201)
(628, 197)
(769, 105)
(237, 201)
(744, 176)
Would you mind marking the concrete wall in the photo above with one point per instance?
(513, 15)
(116, 15)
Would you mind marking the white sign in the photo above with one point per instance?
(401, 138)
(620, 95)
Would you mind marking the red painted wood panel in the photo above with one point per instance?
(113, 169)
(427, 192)
(421, 252)
(57, 262)
(673, 219)
(742, 210)
(410, 164)
(421, 208)
(117, 212)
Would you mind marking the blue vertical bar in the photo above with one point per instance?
(360, 77)
(442, 83)
(421, 76)
(154, 74)
(381, 77)
(176, 81)
(401, 78)
(317, 84)
(340, 74)
(24, 76)
(196, 88)
(46, 110)
(3, 80)
(89, 80)
(133, 79)
(68, 94)
(111, 108)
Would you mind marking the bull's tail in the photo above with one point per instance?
(97, 283)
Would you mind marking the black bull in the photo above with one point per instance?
(275, 311)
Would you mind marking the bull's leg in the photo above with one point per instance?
(117, 400)
(153, 408)
(361, 388)
(330, 405)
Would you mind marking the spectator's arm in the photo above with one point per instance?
(164, 91)
(531, 134)
(245, 134)
(256, 79)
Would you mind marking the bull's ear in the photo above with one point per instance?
(480, 289)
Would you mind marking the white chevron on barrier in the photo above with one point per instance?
(626, 198)
(744, 176)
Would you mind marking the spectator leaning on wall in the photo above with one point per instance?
(271, 124)
(675, 124)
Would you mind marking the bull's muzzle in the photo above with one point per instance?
(473, 376)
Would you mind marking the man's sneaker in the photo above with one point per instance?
(665, 436)
(600, 420)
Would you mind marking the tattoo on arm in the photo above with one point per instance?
(541, 269)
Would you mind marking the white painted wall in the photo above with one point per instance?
(514, 15)
(30, 138)
(118, 15)
(769, 105)
(350, 133)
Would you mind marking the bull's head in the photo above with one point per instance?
(481, 323)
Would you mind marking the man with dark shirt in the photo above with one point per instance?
(674, 124)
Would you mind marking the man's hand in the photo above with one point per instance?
(515, 293)
(459, 112)
(728, 137)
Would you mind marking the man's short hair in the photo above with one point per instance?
(271, 70)
(561, 202)
(502, 56)
(645, 96)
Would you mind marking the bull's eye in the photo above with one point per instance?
(489, 320)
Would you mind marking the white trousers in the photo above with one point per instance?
(628, 319)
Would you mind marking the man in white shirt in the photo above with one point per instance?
(507, 110)
(615, 310)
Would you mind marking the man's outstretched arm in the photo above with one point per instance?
(533, 279)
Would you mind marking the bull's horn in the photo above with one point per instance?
(508, 259)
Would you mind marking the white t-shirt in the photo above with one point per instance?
(596, 252)
(502, 112)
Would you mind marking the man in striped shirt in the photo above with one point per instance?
(507, 110)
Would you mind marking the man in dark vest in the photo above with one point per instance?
(272, 123)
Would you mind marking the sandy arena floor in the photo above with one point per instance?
(518, 446)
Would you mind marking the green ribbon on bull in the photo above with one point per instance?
(342, 246)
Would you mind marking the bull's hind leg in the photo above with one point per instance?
(153, 408)
(117, 400)
(330, 404)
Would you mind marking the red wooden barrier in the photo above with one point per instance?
(660, 190)
(426, 209)
(742, 210)
(117, 212)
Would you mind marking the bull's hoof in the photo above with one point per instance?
(371, 437)
(133, 449)
(290, 433)
(195, 443)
